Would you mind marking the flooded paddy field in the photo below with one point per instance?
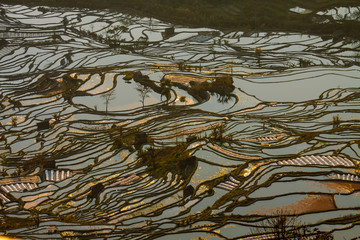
(119, 127)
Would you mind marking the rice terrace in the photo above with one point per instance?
(161, 119)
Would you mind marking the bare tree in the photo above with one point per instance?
(143, 93)
(286, 227)
(109, 96)
(115, 32)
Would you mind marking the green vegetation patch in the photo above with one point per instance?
(127, 139)
(176, 160)
(8, 223)
(220, 85)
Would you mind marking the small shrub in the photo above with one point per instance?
(336, 121)
(305, 62)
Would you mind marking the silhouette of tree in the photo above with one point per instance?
(109, 96)
(143, 93)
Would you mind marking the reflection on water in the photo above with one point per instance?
(120, 127)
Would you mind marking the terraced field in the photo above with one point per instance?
(120, 127)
